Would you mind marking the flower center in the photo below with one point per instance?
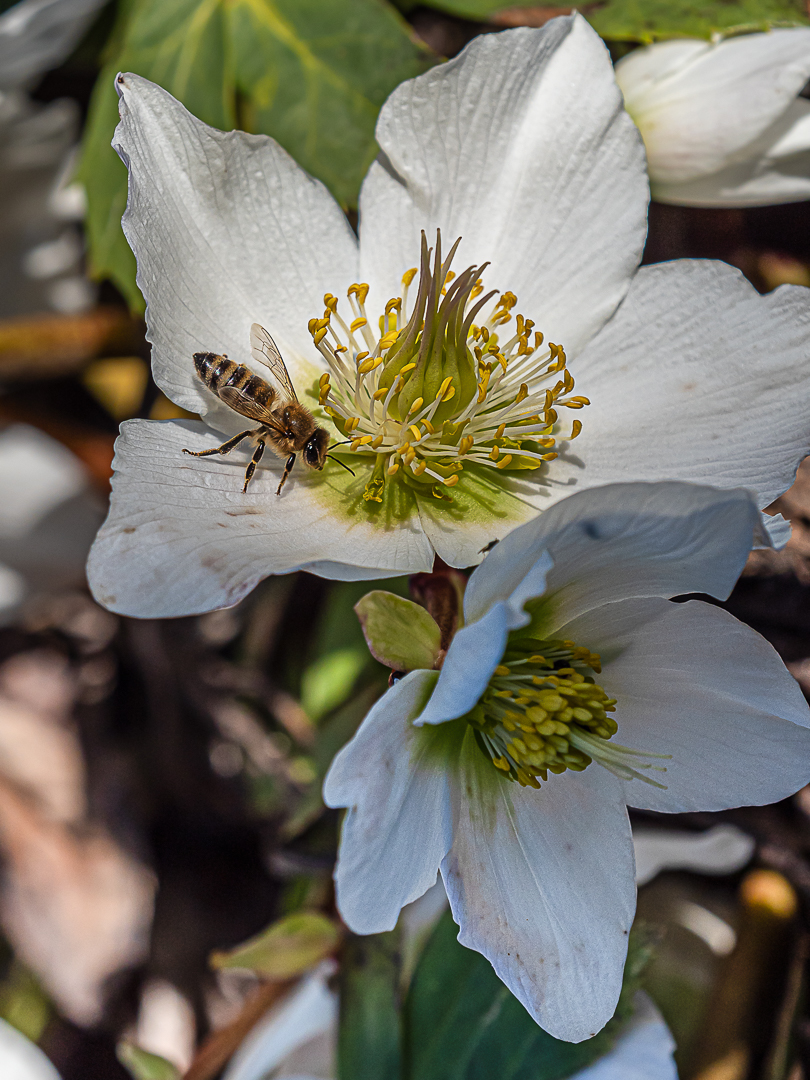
(444, 384)
(541, 713)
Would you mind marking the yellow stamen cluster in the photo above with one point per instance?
(542, 714)
(443, 384)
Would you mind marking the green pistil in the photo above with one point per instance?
(542, 713)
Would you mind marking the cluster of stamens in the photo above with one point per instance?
(444, 384)
(542, 713)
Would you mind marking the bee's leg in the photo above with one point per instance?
(286, 473)
(254, 461)
(226, 447)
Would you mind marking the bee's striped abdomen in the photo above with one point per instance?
(217, 372)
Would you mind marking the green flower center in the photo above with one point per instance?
(443, 384)
(542, 713)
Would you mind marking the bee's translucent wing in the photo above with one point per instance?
(265, 352)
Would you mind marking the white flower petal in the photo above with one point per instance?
(707, 104)
(758, 182)
(694, 682)
(721, 850)
(520, 146)
(697, 378)
(623, 540)
(542, 884)
(20, 1059)
(473, 655)
(36, 35)
(182, 538)
(310, 1011)
(643, 1051)
(397, 829)
(228, 230)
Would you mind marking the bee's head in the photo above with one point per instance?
(315, 449)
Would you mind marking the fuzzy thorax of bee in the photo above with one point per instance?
(446, 383)
(543, 712)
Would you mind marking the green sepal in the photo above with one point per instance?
(286, 948)
(142, 1065)
(399, 633)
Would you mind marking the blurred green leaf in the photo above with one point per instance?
(328, 681)
(399, 633)
(461, 1022)
(23, 1003)
(142, 1065)
(369, 1035)
(288, 947)
(311, 73)
(651, 20)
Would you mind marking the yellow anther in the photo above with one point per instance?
(449, 393)
(330, 302)
(378, 395)
(428, 426)
(377, 443)
(446, 384)
(352, 422)
(576, 402)
(360, 291)
(502, 669)
(406, 369)
(476, 290)
(341, 348)
(501, 763)
(394, 304)
(361, 356)
(319, 335)
(417, 434)
(408, 456)
(312, 325)
(420, 468)
(466, 444)
(522, 393)
(538, 339)
(576, 427)
(358, 323)
(495, 453)
(367, 365)
(502, 464)
(409, 275)
(387, 340)
(500, 431)
(393, 469)
(324, 379)
(451, 481)
(416, 405)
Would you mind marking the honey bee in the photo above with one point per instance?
(283, 421)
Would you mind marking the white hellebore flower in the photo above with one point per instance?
(456, 419)
(501, 770)
(723, 122)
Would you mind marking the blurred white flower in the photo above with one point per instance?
(723, 122)
(519, 146)
(20, 1059)
(540, 871)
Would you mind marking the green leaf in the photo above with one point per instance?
(288, 947)
(311, 73)
(142, 1065)
(461, 1022)
(328, 681)
(369, 1036)
(399, 633)
(651, 20)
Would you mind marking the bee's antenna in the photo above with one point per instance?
(339, 462)
(342, 443)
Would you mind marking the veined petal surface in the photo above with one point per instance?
(397, 830)
(692, 681)
(521, 147)
(181, 537)
(622, 540)
(699, 378)
(228, 230)
(542, 883)
(699, 106)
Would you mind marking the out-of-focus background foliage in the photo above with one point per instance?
(160, 782)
